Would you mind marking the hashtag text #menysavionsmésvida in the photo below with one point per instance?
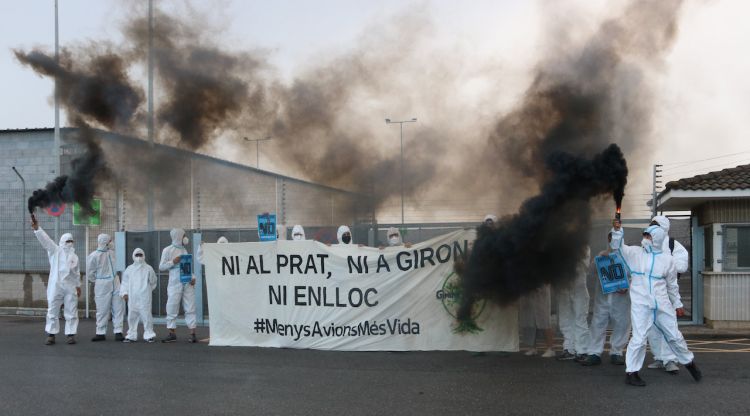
(394, 326)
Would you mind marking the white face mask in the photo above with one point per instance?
(185, 241)
(394, 241)
(647, 244)
(140, 260)
(68, 246)
(297, 237)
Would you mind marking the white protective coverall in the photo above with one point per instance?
(393, 241)
(614, 307)
(534, 313)
(573, 310)
(177, 291)
(659, 348)
(649, 301)
(64, 278)
(138, 283)
(343, 229)
(296, 231)
(100, 271)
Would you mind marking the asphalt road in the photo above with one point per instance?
(110, 378)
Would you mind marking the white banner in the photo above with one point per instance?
(304, 294)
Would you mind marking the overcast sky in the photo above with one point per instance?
(702, 96)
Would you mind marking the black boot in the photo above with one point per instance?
(119, 337)
(98, 338)
(634, 379)
(694, 371)
(50, 340)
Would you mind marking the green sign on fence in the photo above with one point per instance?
(81, 218)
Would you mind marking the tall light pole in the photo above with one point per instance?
(150, 117)
(401, 125)
(57, 152)
(257, 148)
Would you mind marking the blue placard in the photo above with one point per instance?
(612, 272)
(186, 268)
(267, 227)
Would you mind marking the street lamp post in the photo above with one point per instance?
(401, 127)
(257, 148)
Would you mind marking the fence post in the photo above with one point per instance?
(86, 253)
(198, 273)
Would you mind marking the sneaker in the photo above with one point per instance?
(548, 354)
(50, 340)
(151, 340)
(128, 340)
(672, 368)
(566, 356)
(634, 379)
(119, 337)
(656, 365)
(71, 340)
(171, 337)
(592, 359)
(192, 339)
(531, 352)
(581, 358)
(98, 338)
(694, 371)
(617, 359)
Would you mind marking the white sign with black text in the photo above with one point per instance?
(304, 294)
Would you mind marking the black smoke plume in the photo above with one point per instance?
(578, 104)
(96, 91)
(546, 239)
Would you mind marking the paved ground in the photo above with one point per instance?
(195, 379)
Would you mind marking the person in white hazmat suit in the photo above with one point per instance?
(63, 286)
(100, 271)
(573, 312)
(298, 233)
(178, 292)
(649, 302)
(663, 355)
(614, 308)
(138, 283)
(534, 314)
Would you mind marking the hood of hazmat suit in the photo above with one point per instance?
(102, 240)
(490, 217)
(222, 240)
(69, 249)
(657, 236)
(298, 233)
(343, 229)
(393, 241)
(177, 234)
(139, 260)
(662, 221)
